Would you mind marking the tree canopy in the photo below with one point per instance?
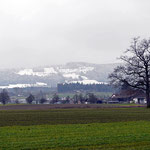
(30, 99)
(4, 97)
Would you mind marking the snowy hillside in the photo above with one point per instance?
(85, 73)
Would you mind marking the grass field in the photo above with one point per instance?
(76, 129)
(98, 94)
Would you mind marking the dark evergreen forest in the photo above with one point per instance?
(73, 87)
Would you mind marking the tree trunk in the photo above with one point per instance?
(147, 87)
(148, 99)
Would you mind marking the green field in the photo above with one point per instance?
(76, 129)
(98, 94)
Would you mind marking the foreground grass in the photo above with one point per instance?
(75, 129)
(117, 136)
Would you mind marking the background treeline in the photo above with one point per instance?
(40, 98)
(71, 87)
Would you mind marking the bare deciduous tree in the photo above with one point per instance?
(136, 69)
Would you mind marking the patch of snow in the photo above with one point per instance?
(86, 69)
(68, 70)
(79, 70)
(26, 72)
(73, 76)
(84, 77)
(38, 84)
(88, 82)
(50, 70)
(46, 72)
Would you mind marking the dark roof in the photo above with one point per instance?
(129, 94)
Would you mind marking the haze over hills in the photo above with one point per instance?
(86, 73)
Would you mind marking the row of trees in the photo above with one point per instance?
(71, 87)
(4, 98)
(31, 98)
(77, 98)
(89, 97)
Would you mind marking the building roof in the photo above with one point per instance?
(129, 94)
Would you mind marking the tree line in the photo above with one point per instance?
(77, 98)
(71, 87)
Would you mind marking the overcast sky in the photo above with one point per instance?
(47, 32)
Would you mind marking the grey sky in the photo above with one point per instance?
(46, 32)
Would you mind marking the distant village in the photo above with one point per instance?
(74, 93)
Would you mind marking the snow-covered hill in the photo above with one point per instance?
(85, 73)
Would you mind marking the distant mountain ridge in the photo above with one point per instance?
(82, 72)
